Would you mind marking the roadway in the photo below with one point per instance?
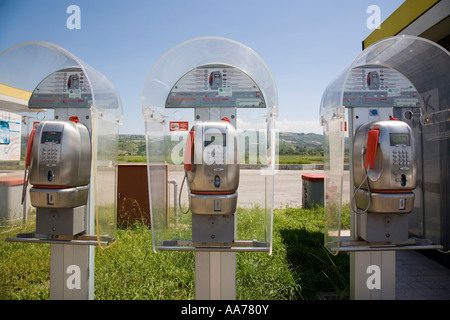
(288, 187)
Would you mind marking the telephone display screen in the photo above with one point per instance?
(51, 136)
(399, 138)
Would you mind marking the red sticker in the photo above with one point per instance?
(179, 126)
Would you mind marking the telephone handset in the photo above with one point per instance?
(189, 151)
(29, 148)
(188, 161)
(372, 145)
(27, 163)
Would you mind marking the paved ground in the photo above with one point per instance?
(421, 278)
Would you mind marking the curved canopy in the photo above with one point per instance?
(24, 66)
(424, 63)
(202, 52)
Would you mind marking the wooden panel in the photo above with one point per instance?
(132, 192)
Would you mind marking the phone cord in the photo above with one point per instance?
(353, 202)
(179, 196)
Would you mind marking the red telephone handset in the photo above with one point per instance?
(27, 163)
(29, 148)
(189, 151)
(372, 145)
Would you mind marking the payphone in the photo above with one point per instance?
(395, 166)
(215, 80)
(384, 176)
(212, 174)
(59, 156)
(384, 167)
(70, 153)
(373, 80)
(218, 85)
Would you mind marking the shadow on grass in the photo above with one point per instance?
(319, 274)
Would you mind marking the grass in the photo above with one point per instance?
(299, 159)
(132, 159)
(299, 268)
(24, 267)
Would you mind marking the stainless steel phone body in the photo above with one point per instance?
(61, 154)
(60, 174)
(215, 165)
(213, 179)
(389, 184)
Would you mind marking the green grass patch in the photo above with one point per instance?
(299, 268)
(24, 267)
(299, 159)
(132, 158)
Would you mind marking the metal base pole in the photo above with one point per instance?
(372, 275)
(71, 272)
(215, 275)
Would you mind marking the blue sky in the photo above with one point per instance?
(305, 43)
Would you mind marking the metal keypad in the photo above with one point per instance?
(400, 157)
(50, 155)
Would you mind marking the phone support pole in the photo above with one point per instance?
(215, 275)
(70, 278)
(215, 265)
(372, 275)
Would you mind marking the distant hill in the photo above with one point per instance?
(300, 139)
(289, 143)
(301, 144)
(131, 137)
(311, 140)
